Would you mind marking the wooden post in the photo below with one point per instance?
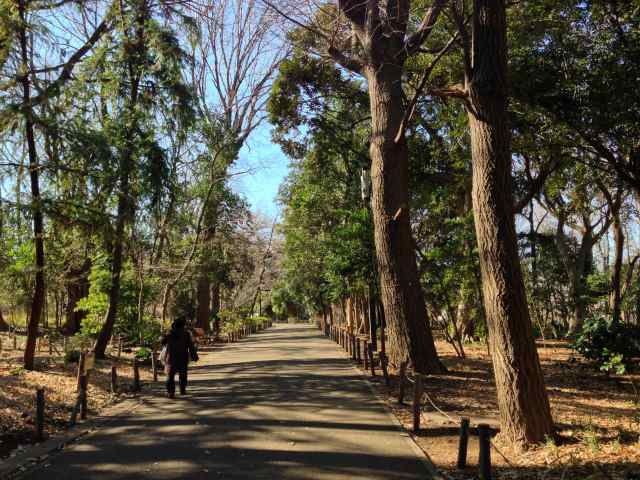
(417, 401)
(83, 396)
(136, 375)
(40, 414)
(463, 443)
(358, 355)
(371, 362)
(385, 370)
(81, 363)
(64, 344)
(484, 459)
(154, 363)
(15, 340)
(114, 380)
(403, 374)
(50, 346)
(119, 345)
(365, 355)
(354, 349)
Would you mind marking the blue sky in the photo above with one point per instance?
(268, 167)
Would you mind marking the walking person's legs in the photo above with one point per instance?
(171, 383)
(182, 374)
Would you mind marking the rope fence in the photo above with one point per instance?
(351, 343)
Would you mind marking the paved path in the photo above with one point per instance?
(281, 404)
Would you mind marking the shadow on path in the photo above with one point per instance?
(283, 404)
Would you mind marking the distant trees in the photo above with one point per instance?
(100, 119)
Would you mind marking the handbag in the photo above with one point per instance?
(163, 355)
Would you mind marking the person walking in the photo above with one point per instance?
(179, 350)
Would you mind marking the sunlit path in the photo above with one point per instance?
(282, 404)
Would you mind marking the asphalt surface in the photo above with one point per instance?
(282, 404)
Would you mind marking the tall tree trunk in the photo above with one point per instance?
(117, 258)
(215, 307)
(373, 323)
(579, 282)
(77, 283)
(4, 326)
(615, 299)
(126, 205)
(408, 332)
(204, 302)
(37, 302)
(525, 415)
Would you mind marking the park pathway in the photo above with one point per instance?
(282, 404)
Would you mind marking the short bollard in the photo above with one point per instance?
(484, 460)
(136, 376)
(371, 364)
(40, 414)
(417, 401)
(401, 380)
(463, 443)
(114, 380)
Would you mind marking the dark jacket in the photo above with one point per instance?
(180, 348)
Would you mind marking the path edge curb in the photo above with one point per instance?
(420, 454)
(19, 465)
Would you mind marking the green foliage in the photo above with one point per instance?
(17, 371)
(611, 347)
(143, 354)
(230, 321)
(8, 22)
(129, 324)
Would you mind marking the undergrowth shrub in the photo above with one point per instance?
(610, 347)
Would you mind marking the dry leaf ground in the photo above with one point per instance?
(597, 416)
(18, 391)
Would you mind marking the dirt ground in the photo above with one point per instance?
(597, 418)
(18, 391)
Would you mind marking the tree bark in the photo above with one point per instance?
(579, 282)
(37, 302)
(4, 326)
(525, 415)
(373, 323)
(204, 302)
(408, 330)
(116, 264)
(615, 300)
(215, 307)
(385, 45)
(77, 283)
